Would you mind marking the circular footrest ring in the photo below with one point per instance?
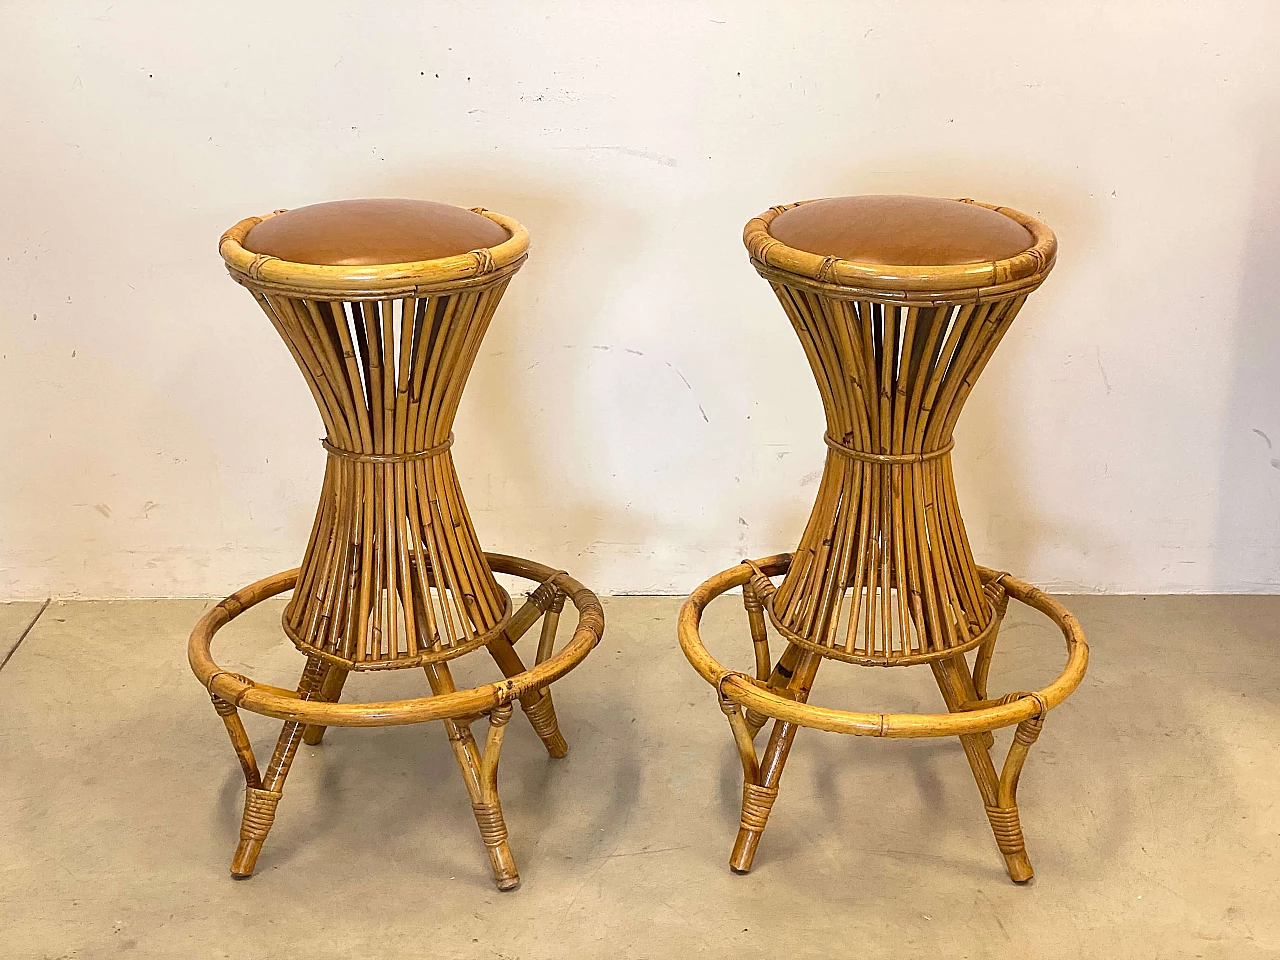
(244, 693)
(752, 694)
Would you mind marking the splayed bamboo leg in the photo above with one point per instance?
(957, 687)
(260, 801)
(759, 793)
(982, 661)
(537, 704)
(550, 625)
(239, 740)
(754, 606)
(755, 593)
(780, 681)
(480, 774)
(1004, 815)
(964, 683)
(330, 692)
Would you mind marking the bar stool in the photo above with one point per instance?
(383, 304)
(899, 302)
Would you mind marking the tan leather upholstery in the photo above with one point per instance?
(901, 231)
(368, 232)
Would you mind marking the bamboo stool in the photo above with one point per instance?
(899, 303)
(383, 304)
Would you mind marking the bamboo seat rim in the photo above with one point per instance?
(1029, 266)
(751, 694)
(373, 280)
(270, 701)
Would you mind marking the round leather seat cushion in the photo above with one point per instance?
(901, 231)
(349, 233)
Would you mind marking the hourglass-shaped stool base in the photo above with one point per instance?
(314, 705)
(779, 691)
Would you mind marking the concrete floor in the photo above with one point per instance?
(1150, 805)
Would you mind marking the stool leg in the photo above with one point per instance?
(260, 801)
(956, 683)
(968, 692)
(480, 774)
(982, 662)
(780, 678)
(758, 796)
(1004, 815)
(537, 704)
(754, 606)
(760, 641)
(330, 692)
(239, 740)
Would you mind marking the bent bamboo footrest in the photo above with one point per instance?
(780, 689)
(313, 706)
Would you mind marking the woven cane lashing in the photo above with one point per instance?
(1007, 829)
(493, 831)
(757, 801)
(884, 573)
(259, 813)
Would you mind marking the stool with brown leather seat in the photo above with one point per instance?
(383, 304)
(899, 302)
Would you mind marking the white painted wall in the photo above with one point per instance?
(641, 412)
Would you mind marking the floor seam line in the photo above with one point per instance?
(23, 635)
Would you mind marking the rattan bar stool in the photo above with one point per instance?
(899, 302)
(383, 304)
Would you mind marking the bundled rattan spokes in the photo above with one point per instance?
(884, 572)
(393, 575)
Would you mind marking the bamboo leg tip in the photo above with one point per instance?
(557, 746)
(245, 859)
(313, 735)
(505, 874)
(744, 852)
(1019, 866)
